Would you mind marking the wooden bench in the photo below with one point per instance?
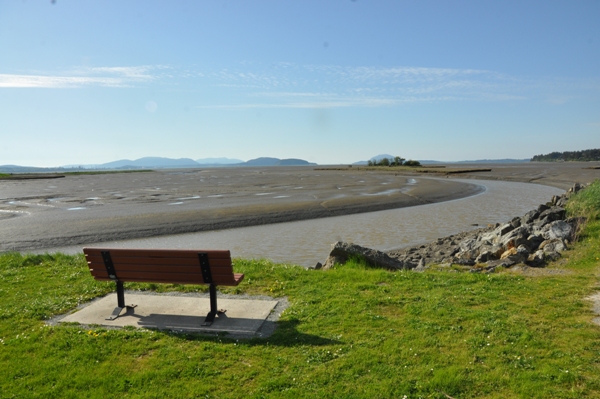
(162, 266)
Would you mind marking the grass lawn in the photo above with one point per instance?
(350, 332)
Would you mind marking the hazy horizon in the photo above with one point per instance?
(218, 162)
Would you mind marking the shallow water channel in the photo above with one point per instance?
(308, 242)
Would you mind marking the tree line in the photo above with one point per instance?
(396, 161)
(581, 156)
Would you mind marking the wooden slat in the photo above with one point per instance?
(163, 266)
(170, 279)
(160, 253)
(166, 277)
(175, 269)
(124, 274)
(142, 280)
(97, 259)
(238, 277)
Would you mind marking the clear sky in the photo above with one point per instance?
(328, 81)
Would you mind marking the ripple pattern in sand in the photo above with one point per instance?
(307, 242)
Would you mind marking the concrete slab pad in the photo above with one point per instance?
(179, 313)
(596, 306)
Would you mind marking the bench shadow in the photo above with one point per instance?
(185, 323)
(287, 334)
(259, 332)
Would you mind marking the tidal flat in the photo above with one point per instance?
(76, 210)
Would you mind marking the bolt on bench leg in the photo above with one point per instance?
(120, 302)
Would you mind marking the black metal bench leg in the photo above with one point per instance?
(210, 317)
(120, 302)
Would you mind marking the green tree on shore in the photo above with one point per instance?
(396, 161)
(573, 156)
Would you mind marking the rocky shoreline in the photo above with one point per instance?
(534, 239)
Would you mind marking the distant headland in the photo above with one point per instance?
(223, 162)
(159, 163)
(569, 156)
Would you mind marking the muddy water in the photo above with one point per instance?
(308, 242)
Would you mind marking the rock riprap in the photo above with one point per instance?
(534, 239)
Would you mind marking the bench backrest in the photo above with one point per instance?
(162, 266)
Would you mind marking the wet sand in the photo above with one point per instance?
(37, 214)
(555, 174)
(84, 209)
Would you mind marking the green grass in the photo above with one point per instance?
(586, 202)
(351, 332)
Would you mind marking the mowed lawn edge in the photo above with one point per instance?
(352, 331)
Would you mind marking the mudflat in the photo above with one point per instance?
(555, 174)
(37, 214)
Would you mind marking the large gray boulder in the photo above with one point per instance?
(553, 245)
(534, 241)
(515, 237)
(468, 245)
(549, 216)
(342, 251)
(575, 189)
(532, 215)
(557, 230)
(536, 259)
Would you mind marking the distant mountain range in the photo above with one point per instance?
(147, 162)
(168, 163)
(160, 163)
(276, 162)
(155, 162)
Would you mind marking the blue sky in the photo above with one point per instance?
(87, 82)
